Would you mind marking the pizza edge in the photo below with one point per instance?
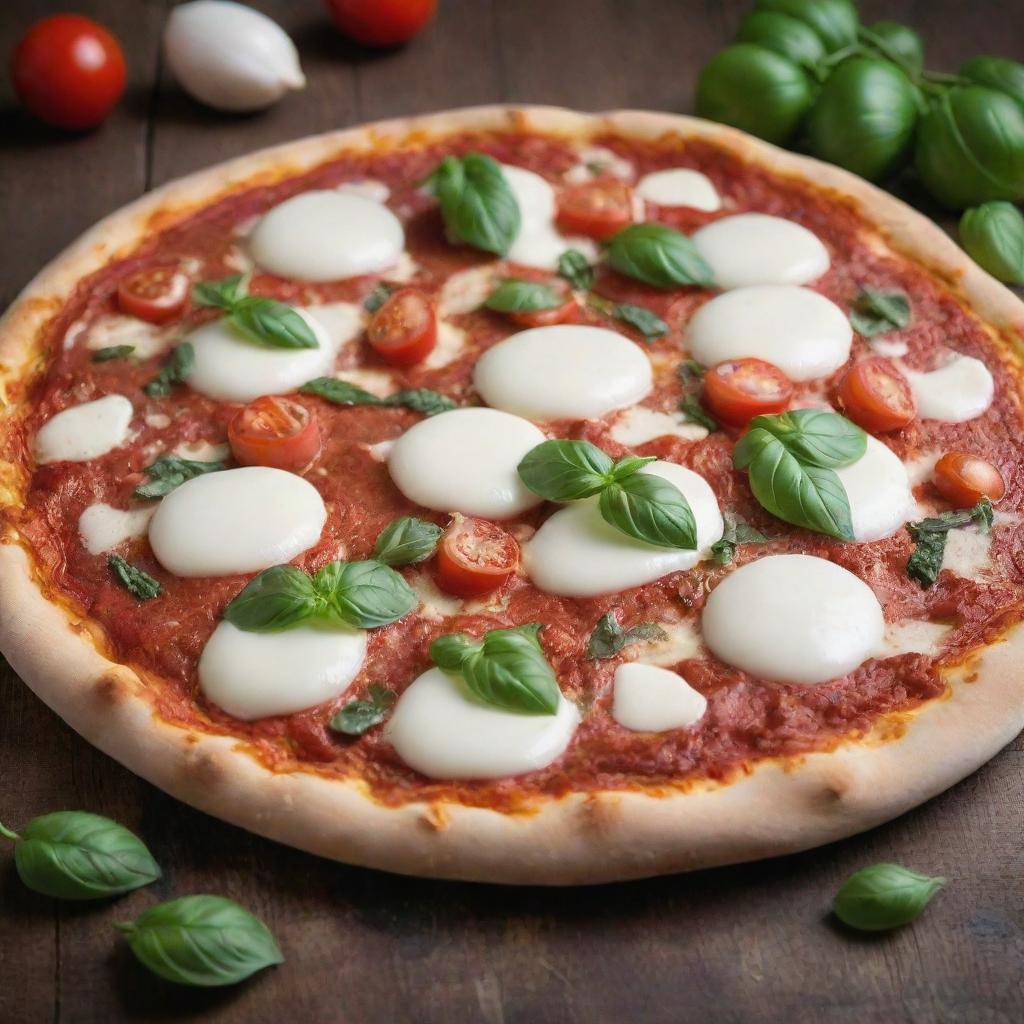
(580, 838)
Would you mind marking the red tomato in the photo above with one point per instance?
(404, 330)
(597, 209)
(877, 396)
(381, 22)
(739, 389)
(69, 71)
(154, 294)
(475, 556)
(566, 313)
(963, 479)
(276, 432)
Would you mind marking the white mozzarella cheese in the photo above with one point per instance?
(793, 619)
(85, 431)
(914, 636)
(804, 334)
(682, 641)
(679, 186)
(576, 553)
(638, 425)
(534, 194)
(341, 321)
(451, 344)
(958, 391)
(755, 248)
(968, 552)
(595, 161)
(113, 329)
(569, 371)
(324, 235)
(442, 731)
(465, 461)
(255, 675)
(651, 699)
(878, 487)
(466, 290)
(103, 527)
(236, 521)
(368, 188)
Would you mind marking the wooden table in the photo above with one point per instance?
(745, 944)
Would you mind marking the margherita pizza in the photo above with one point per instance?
(520, 495)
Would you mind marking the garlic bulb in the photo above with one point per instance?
(229, 56)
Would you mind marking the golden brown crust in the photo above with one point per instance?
(778, 807)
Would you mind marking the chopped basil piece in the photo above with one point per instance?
(341, 392)
(104, 355)
(735, 532)
(170, 472)
(514, 295)
(884, 896)
(423, 400)
(576, 269)
(406, 541)
(257, 318)
(690, 371)
(138, 583)
(380, 294)
(877, 312)
(357, 716)
(691, 408)
(659, 256)
(608, 637)
(929, 536)
(650, 326)
(174, 371)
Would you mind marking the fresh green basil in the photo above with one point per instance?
(884, 896)
(647, 323)
(608, 637)
(514, 295)
(201, 941)
(406, 541)
(357, 716)
(734, 533)
(170, 472)
(278, 598)
(380, 294)
(219, 294)
(506, 669)
(787, 36)
(74, 855)
(477, 203)
(835, 21)
(104, 355)
(817, 437)
(690, 372)
(929, 536)
(896, 42)
(565, 470)
(576, 269)
(876, 312)
(659, 256)
(137, 582)
(649, 508)
(999, 73)
(341, 392)
(257, 318)
(694, 412)
(174, 371)
(993, 235)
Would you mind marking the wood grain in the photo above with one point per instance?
(743, 945)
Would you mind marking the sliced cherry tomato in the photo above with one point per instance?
(597, 209)
(877, 396)
(475, 556)
(154, 294)
(568, 312)
(964, 479)
(381, 22)
(404, 329)
(276, 432)
(739, 389)
(69, 71)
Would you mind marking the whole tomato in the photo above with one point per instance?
(381, 22)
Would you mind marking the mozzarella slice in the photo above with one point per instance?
(368, 188)
(534, 194)
(638, 425)
(793, 619)
(113, 329)
(577, 554)
(341, 321)
(804, 334)
(652, 699)
(85, 431)
(958, 391)
(565, 372)
(103, 528)
(442, 731)
(324, 235)
(755, 248)
(236, 521)
(254, 675)
(679, 186)
(465, 461)
(878, 487)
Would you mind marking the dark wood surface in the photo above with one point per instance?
(747, 944)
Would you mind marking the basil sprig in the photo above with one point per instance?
(608, 637)
(74, 855)
(358, 716)
(406, 541)
(201, 941)
(884, 896)
(791, 460)
(877, 312)
(641, 505)
(477, 203)
(576, 269)
(257, 318)
(360, 594)
(104, 355)
(734, 533)
(506, 669)
(341, 392)
(659, 256)
(136, 581)
(170, 472)
(514, 295)
(174, 371)
(930, 534)
(651, 326)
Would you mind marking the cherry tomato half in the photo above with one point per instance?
(404, 330)
(276, 432)
(69, 71)
(964, 479)
(739, 389)
(381, 22)
(475, 557)
(597, 209)
(154, 294)
(877, 396)
(566, 313)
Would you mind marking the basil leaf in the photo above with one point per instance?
(993, 235)
(691, 408)
(735, 532)
(341, 392)
(380, 294)
(877, 312)
(174, 371)
(450, 650)
(565, 470)
(648, 508)
(222, 294)
(477, 204)
(406, 541)
(201, 941)
(278, 598)
(659, 256)
(104, 355)
(423, 400)
(576, 269)
(628, 465)
(364, 594)
(650, 326)
(269, 322)
(884, 896)
(817, 437)
(689, 372)
(930, 534)
(138, 583)
(925, 562)
(608, 637)
(74, 855)
(517, 296)
(171, 471)
(357, 716)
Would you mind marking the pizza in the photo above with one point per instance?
(522, 496)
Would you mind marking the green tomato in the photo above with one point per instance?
(835, 21)
(756, 90)
(970, 147)
(993, 235)
(788, 36)
(997, 73)
(864, 117)
(900, 41)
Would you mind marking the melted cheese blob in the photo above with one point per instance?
(652, 699)
(679, 186)
(577, 554)
(958, 391)
(466, 461)
(442, 731)
(793, 619)
(103, 527)
(804, 334)
(754, 248)
(567, 372)
(254, 675)
(878, 487)
(85, 431)
(236, 521)
(324, 235)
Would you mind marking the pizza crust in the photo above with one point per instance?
(780, 806)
